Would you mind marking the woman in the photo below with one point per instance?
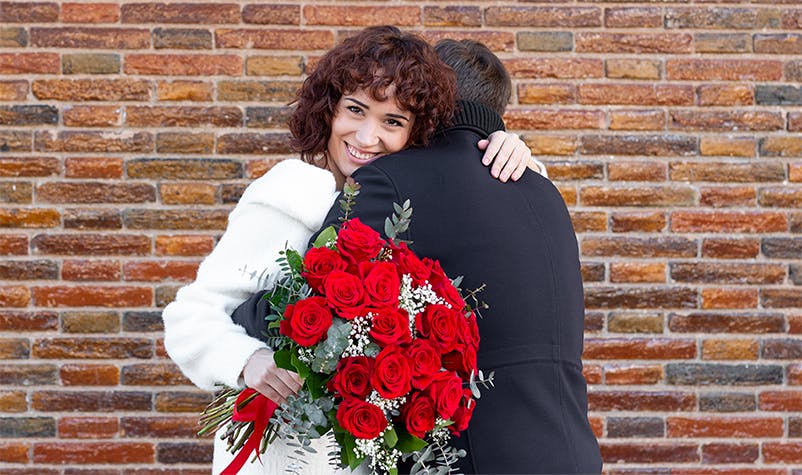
(376, 93)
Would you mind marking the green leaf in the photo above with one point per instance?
(283, 359)
(408, 442)
(316, 384)
(391, 437)
(295, 261)
(349, 442)
(327, 235)
(393, 471)
(300, 367)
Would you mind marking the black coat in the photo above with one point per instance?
(517, 238)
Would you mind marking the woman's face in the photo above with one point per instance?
(363, 129)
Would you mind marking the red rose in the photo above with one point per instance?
(442, 285)
(362, 419)
(319, 262)
(408, 263)
(426, 363)
(392, 373)
(462, 360)
(358, 242)
(382, 283)
(419, 415)
(470, 333)
(446, 391)
(390, 326)
(352, 377)
(441, 324)
(462, 416)
(306, 321)
(345, 293)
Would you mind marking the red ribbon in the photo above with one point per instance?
(259, 411)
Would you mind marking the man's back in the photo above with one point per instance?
(516, 238)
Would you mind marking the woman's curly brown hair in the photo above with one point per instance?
(374, 59)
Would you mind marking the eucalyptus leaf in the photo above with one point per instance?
(326, 236)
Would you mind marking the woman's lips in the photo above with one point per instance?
(361, 156)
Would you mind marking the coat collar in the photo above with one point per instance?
(473, 115)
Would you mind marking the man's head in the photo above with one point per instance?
(480, 75)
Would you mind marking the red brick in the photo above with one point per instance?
(742, 427)
(725, 196)
(650, 222)
(729, 298)
(91, 401)
(638, 120)
(184, 64)
(635, 94)
(13, 244)
(171, 401)
(89, 270)
(361, 16)
(89, 375)
(160, 271)
(188, 193)
(635, 272)
(13, 90)
(553, 119)
(81, 141)
(536, 17)
(92, 219)
(93, 452)
(452, 15)
(162, 116)
(29, 12)
(92, 116)
(176, 219)
(584, 221)
(652, 348)
(592, 374)
(640, 145)
(786, 401)
(62, 296)
(15, 140)
(558, 68)
(274, 39)
(93, 167)
(13, 401)
(257, 91)
(274, 65)
(730, 453)
(184, 245)
(782, 452)
(730, 248)
(639, 247)
(271, 14)
(723, 70)
(629, 68)
(725, 120)
(728, 222)
(627, 322)
(88, 427)
(185, 90)
(633, 374)
(147, 374)
(170, 12)
(725, 95)
(794, 371)
(92, 89)
(649, 453)
(640, 297)
(161, 427)
(91, 38)
(637, 196)
(730, 349)
(14, 452)
(253, 143)
(28, 321)
(29, 218)
(92, 347)
(14, 296)
(780, 197)
(546, 93)
(495, 40)
(90, 13)
(603, 42)
(92, 244)
(95, 192)
(727, 146)
(728, 273)
(636, 171)
(14, 348)
(633, 17)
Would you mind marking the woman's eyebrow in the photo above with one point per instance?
(365, 106)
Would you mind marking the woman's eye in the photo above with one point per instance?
(394, 123)
(354, 109)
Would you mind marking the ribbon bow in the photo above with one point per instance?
(259, 411)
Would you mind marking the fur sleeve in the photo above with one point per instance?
(281, 209)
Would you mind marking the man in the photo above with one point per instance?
(518, 240)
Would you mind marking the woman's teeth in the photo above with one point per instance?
(358, 154)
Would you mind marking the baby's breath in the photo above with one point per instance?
(358, 339)
(415, 299)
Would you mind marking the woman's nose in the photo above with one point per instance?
(366, 135)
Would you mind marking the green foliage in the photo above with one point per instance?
(390, 437)
(408, 442)
(300, 367)
(326, 236)
(350, 192)
(399, 222)
(283, 359)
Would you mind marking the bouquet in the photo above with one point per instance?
(385, 343)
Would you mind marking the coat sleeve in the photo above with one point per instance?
(279, 210)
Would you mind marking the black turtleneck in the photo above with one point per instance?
(475, 116)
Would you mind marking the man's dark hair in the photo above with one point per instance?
(481, 77)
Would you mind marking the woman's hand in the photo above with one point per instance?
(509, 155)
(262, 374)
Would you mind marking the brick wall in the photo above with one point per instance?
(672, 129)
